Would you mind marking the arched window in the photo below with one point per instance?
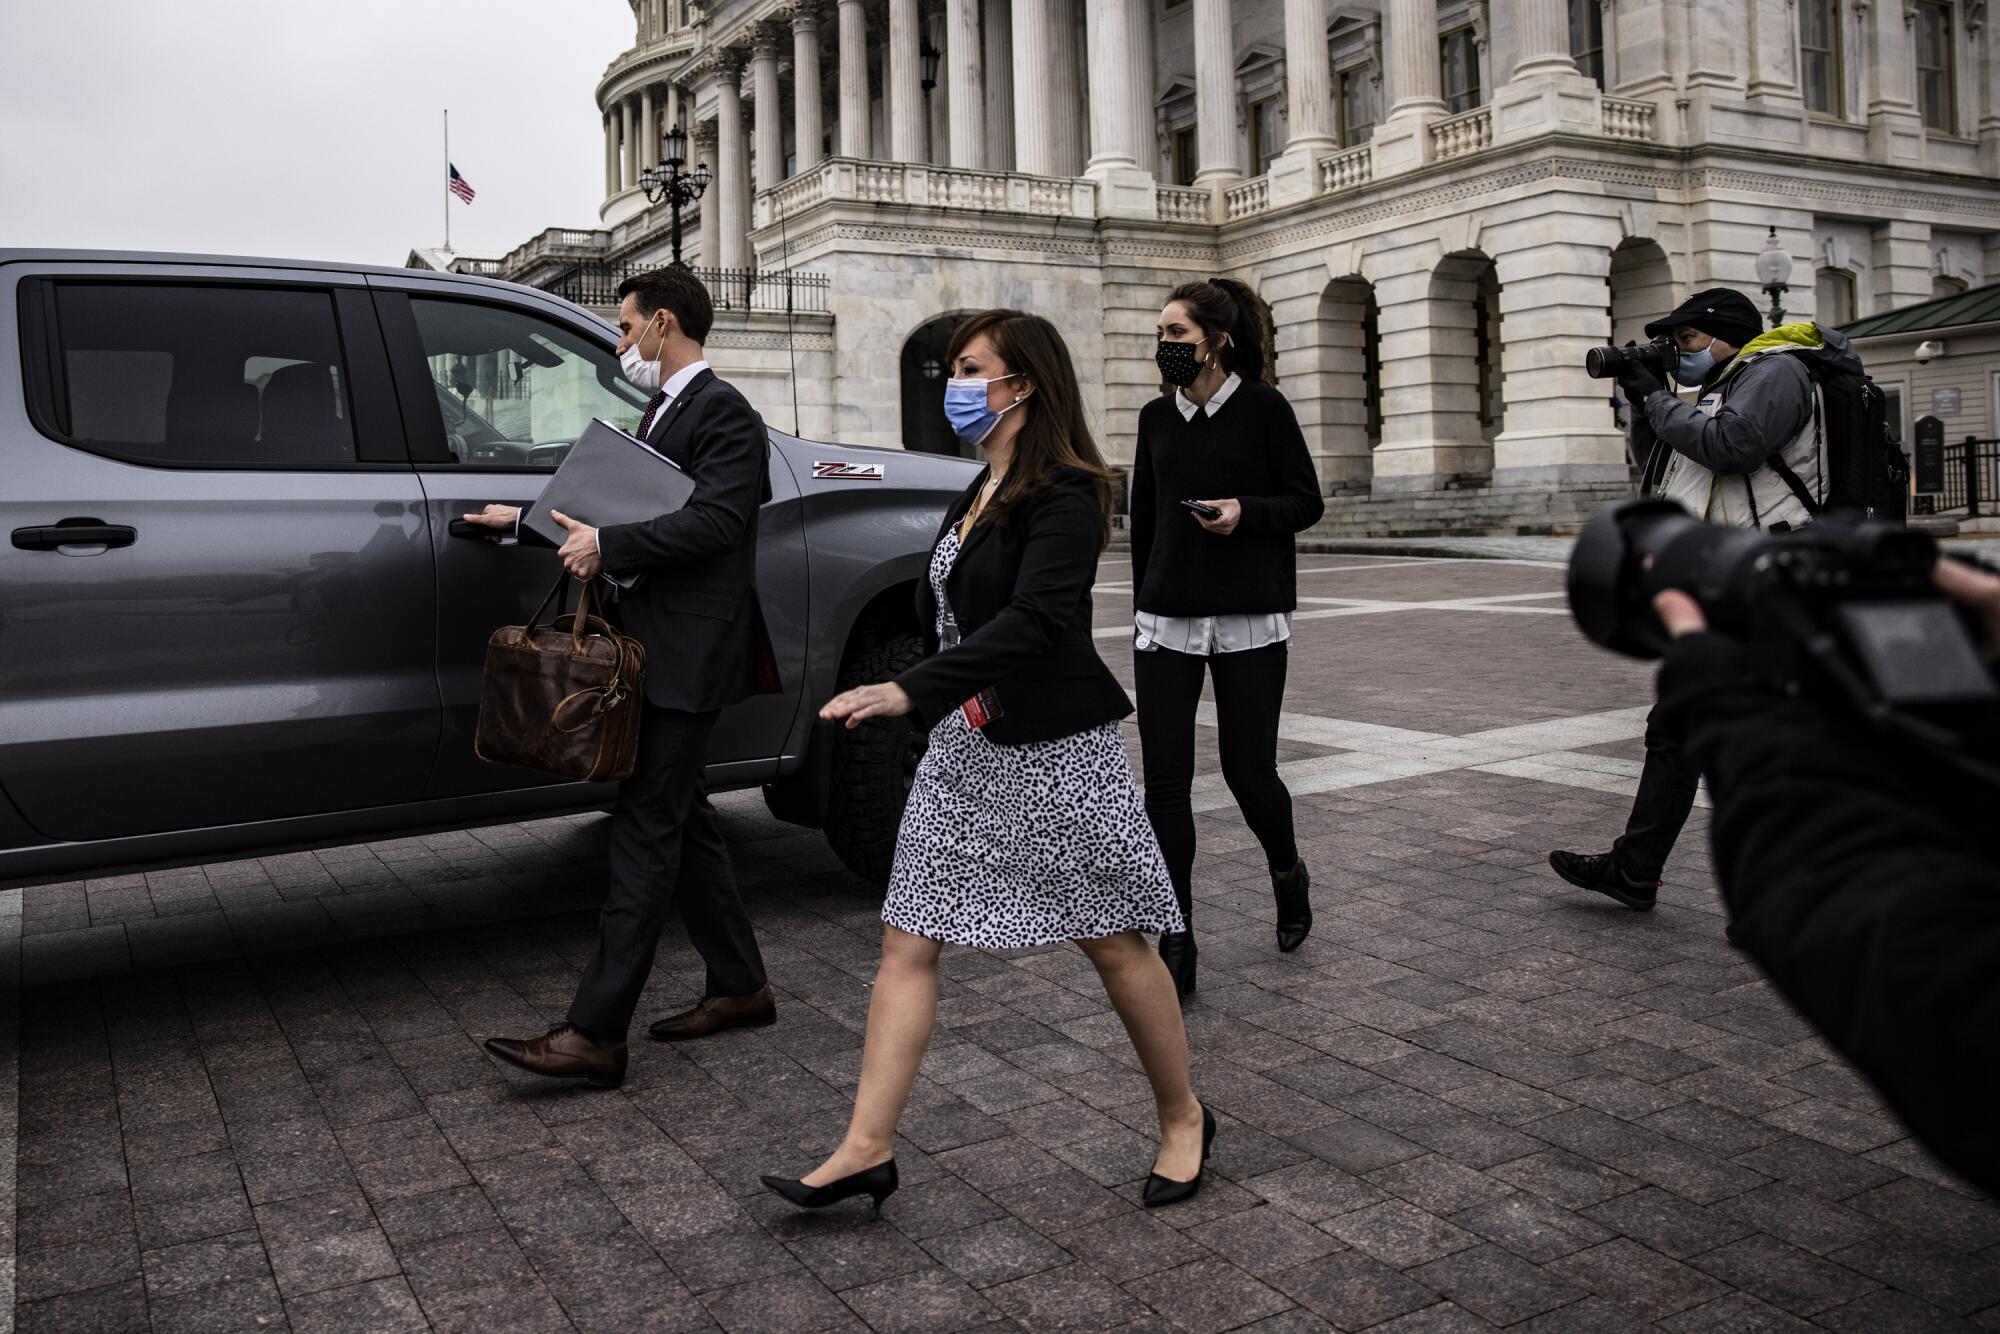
(1833, 295)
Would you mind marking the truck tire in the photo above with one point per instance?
(873, 765)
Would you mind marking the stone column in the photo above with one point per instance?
(1900, 265)
(1895, 128)
(1309, 103)
(1066, 88)
(766, 109)
(674, 106)
(1774, 76)
(1546, 91)
(649, 131)
(965, 84)
(854, 99)
(1556, 429)
(1141, 86)
(1985, 33)
(731, 185)
(998, 78)
(1123, 190)
(1035, 130)
(1218, 167)
(631, 135)
(703, 146)
(611, 156)
(906, 89)
(806, 129)
(1416, 87)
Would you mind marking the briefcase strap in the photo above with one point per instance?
(583, 619)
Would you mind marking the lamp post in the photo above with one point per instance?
(927, 57)
(1774, 269)
(667, 181)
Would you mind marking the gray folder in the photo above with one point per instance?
(609, 477)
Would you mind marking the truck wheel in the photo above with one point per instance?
(873, 765)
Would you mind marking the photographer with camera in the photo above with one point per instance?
(1836, 688)
(1750, 453)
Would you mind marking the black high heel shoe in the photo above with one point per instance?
(1295, 914)
(1165, 1190)
(877, 1182)
(1177, 952)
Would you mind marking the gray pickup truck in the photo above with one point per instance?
(235, 614)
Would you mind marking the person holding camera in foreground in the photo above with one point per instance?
(1860, 872)
(1750, 453)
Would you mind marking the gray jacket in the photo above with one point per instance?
(1759, 404)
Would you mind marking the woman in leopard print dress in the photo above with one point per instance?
(1024, 825)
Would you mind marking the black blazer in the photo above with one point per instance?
(1020, 591)
(696, 610)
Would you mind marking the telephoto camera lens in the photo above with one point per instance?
(1631, 551)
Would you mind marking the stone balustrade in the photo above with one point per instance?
(1246, 200)
(1625, 119)
(1469, 132)
(555, 243)
(867, 182)
(1343, 171)
(1179, 203)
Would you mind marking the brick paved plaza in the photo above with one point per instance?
(251, 1094)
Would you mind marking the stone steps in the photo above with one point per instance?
(1477, 510)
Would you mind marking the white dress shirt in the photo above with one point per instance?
(1206, 635)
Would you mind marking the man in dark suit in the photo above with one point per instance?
(695, 611)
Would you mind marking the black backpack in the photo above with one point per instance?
(1867, 473)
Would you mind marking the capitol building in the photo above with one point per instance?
(1441, 203)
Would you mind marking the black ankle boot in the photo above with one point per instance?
(878, 1183)
(1177, 952)
(1295, 914)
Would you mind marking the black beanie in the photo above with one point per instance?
(1721, 312)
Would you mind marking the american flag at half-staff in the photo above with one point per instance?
(460, 186)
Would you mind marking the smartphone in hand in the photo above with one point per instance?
(1205, 511)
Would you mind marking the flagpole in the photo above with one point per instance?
(447, 178)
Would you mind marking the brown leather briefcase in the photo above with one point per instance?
(563, 698)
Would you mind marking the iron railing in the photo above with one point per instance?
(595, 283)
(1971, 479)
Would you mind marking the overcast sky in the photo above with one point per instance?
(299, 128)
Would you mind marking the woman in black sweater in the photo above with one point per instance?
(1214, 587)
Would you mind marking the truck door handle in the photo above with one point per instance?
(480, 532)
(75, 533)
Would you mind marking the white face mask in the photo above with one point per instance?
(641, 372)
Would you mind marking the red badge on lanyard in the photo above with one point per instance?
(981, 709)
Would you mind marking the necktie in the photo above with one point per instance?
(659, 401)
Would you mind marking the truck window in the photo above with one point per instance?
(201, 375)
(514, 388)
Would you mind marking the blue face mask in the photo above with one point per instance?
(965, 408)
(1694, 366)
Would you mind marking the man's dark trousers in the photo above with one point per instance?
(1667, 786)
(666, 851)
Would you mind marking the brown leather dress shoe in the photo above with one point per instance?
(715, 1013)
(564, 1053)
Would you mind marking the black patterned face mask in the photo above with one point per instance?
(1176, 362)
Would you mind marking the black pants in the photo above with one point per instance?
(666, 851)
(1249, 694)
(1666, 795)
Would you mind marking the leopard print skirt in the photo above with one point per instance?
(1010, 846)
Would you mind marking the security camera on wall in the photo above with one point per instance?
(1927, 349)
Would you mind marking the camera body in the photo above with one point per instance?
(1838, 608)
(1608, 363)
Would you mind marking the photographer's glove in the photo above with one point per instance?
(1638, 382)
